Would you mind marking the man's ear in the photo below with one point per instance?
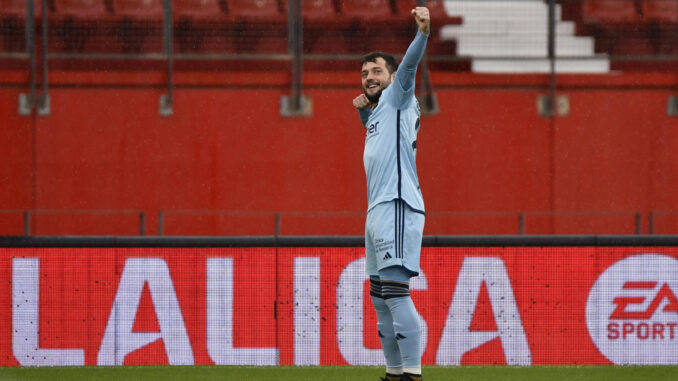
(393, 76)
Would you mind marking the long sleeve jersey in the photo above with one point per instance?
(391, 137)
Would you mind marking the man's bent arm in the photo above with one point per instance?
(364, 115)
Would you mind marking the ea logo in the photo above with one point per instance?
(632, 311)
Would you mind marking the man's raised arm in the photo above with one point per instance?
(408, 67)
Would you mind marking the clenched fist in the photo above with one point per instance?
(361, 102)
(423, 19)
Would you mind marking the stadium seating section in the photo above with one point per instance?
(12, 18)
(631, 27)
(208, 26)
(620, 27)
(661, 11)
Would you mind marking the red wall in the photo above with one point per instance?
(104, 147)
(16, 153)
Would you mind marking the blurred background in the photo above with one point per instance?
(234, 117)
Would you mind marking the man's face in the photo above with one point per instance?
(375, 78)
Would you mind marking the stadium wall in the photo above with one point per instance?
(104, 147)
(305, 301)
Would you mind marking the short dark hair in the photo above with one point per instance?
(391, 62)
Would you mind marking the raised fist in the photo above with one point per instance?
(423, 19)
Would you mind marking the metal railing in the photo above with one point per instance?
(28, 218)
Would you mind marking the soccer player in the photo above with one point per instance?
(395, 214)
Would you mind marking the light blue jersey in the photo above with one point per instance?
(391, 139)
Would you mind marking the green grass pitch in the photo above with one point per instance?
(463, 373)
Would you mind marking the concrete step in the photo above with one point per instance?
(598, 64)
(526, 46)
(504, 28)
(485, 9)
(451, 5)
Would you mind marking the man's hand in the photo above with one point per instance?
(361, 102)
(423, 19)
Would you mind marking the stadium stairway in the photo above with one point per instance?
(512, 37)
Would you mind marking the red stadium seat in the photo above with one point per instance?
(260, 11)
(319, 11)
(662, 18)
(373, 25)
(610, 12)
(198, 10)
(198, 20)
(258, 25)
(151, 10)
(74, 23)
(368, 10)
(616, 25)
(322, 22)
(136, 21)
(12, 7)
(17, 8)
(81, 9)
(665, 11)
(12, 24)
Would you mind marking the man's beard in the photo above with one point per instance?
(375, 97)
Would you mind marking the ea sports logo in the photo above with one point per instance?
(632, 311)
